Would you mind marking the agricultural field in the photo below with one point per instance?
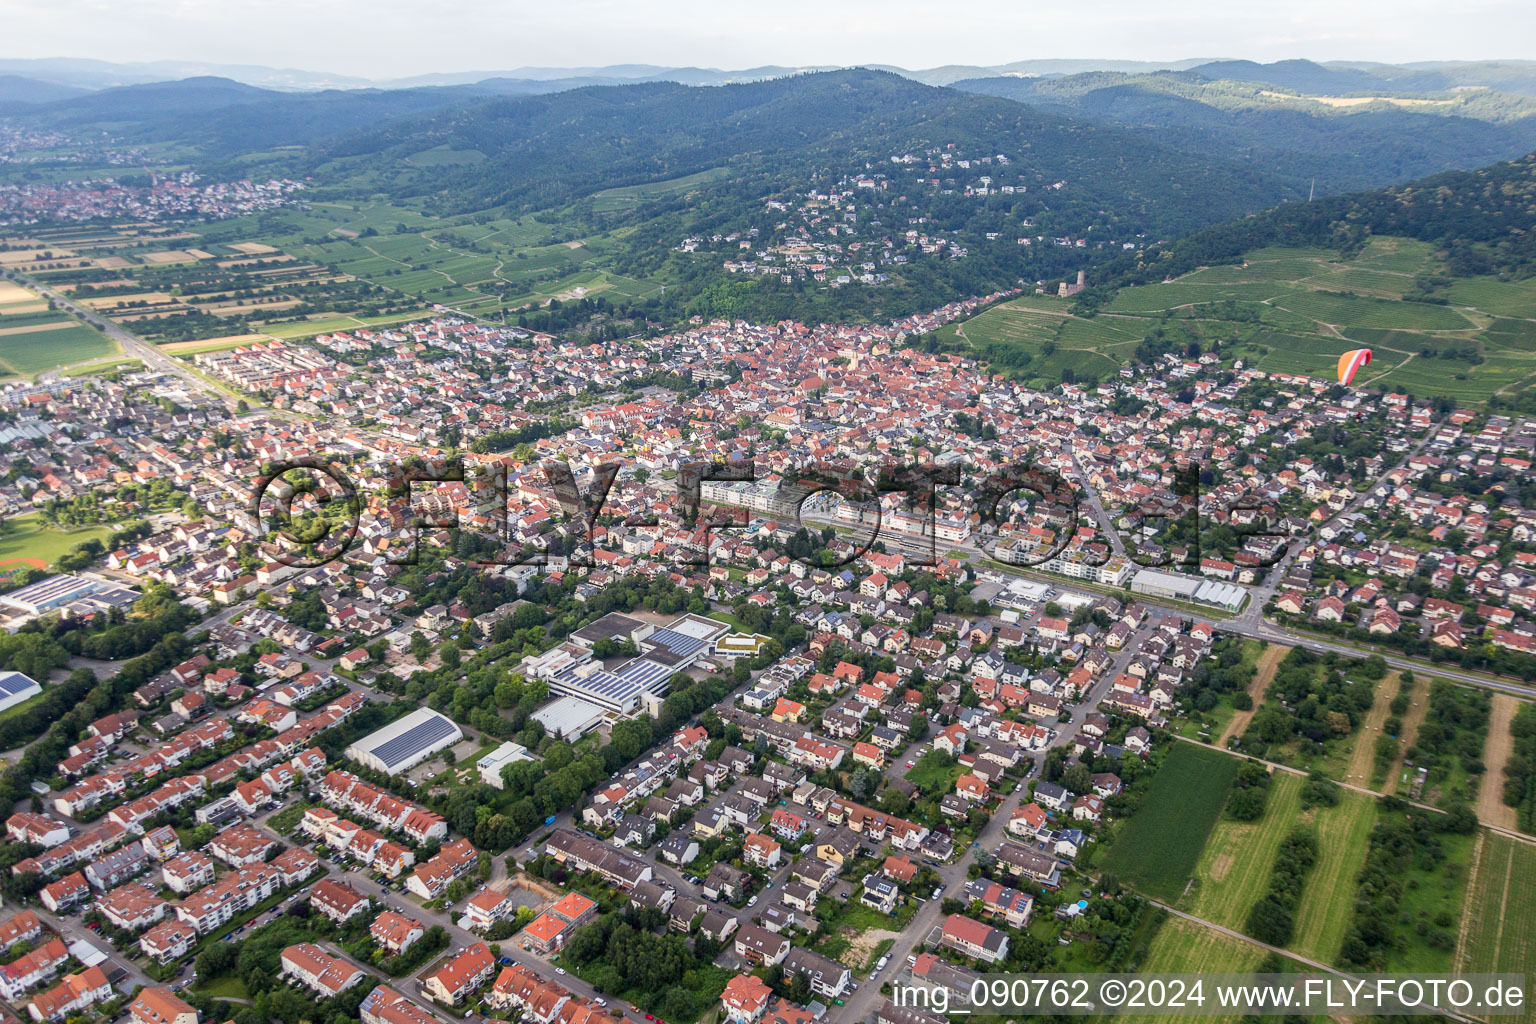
(1434, 897)
(1287, 310)
(289, 273)
(1322, 915)
(1237, 860)
(1496, 933)
(1184, 947)
(627, 197)
(34, 339)
(1326, 741)
(1035, 338)
(1157, 849)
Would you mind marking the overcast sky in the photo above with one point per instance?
(384, 39)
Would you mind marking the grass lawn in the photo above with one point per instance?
(1235, 865)
(1343, 836)
(21, 709)
(287, 819)
(1157, 848)
(28, 537)
(1496, 929)
(935, 773)
(227, 987)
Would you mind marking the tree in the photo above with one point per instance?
(1078, 779)
(421, 647)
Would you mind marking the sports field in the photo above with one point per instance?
(27, 538)
(1157, 849)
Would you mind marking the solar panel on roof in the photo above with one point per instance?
(678, 643)
(620, 686)
(644, 672)
(12, 683)
(413, 741)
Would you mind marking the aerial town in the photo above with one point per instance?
(750, 750)
(860, 225)
(178, 195)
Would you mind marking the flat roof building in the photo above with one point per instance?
(491, 764)
(16, 688)
(57, 591)
(1188, 588)
(613, 626)
(569, 717)
(405, 743)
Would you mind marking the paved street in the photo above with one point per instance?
(867, 1000)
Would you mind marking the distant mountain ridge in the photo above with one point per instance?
(548, 149)
(16, 90)
(98, 74)
(1509, 75)
(1262, 119)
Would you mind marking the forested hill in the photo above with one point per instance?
(545, 150)
(1344, 148)
(1482, 219)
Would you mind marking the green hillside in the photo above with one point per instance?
(1287, 310)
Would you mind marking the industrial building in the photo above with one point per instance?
(68, 596)
(15, 688)
(572, 671)
(1188, 588)
(569, 717)
(403, 744)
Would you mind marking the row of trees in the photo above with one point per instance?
(1520, 769)
(1273, 918)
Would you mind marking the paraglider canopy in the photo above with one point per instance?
(1350, 362)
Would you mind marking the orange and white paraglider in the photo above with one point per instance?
(1350, 363)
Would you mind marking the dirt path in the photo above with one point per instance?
(1491, 808)
(1263, 673)
(1363, 757)
(1470, 911)
(1417, 709)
